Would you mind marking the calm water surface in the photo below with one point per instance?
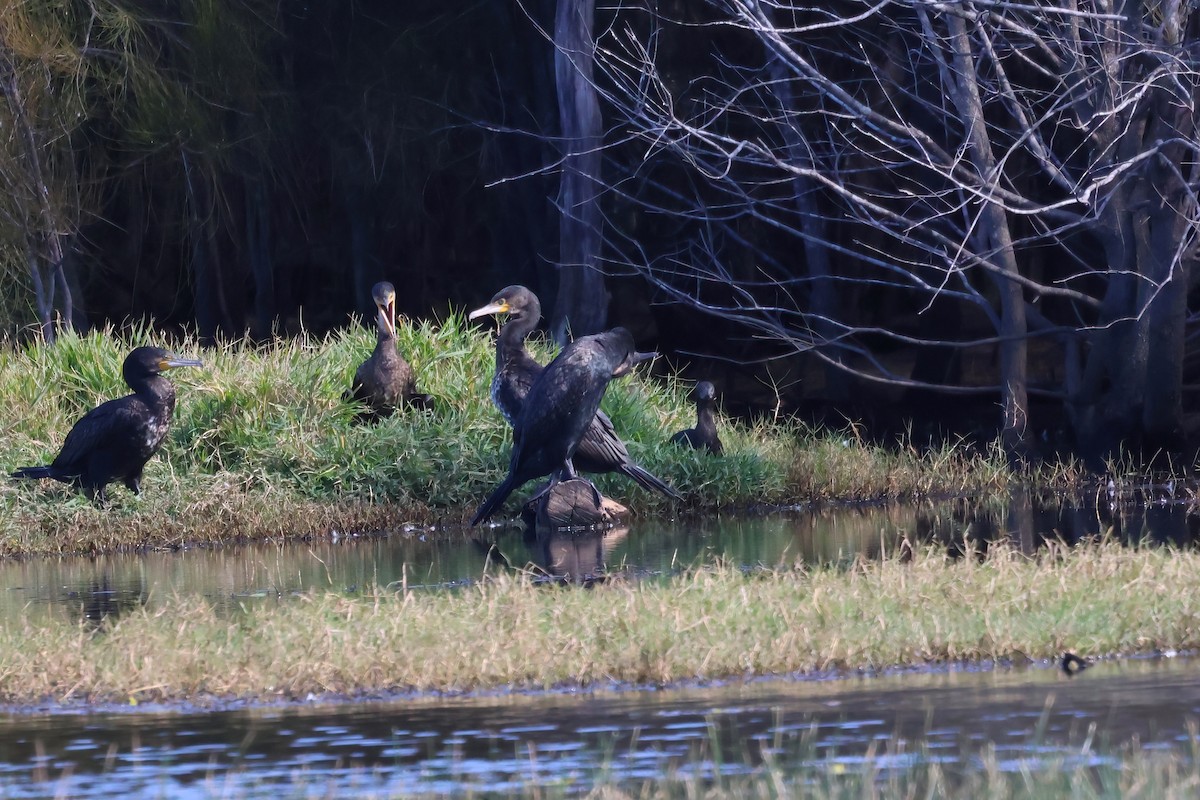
(238, 576)
(502, 743)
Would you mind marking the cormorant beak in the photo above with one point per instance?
(493, 308)
(634, 359)
(179, 361)
(387, 316)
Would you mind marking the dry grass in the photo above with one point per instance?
(711, 623)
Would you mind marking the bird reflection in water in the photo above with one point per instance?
(561, 556)
(99, 600)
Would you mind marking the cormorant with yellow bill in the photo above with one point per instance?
(559, 407)
(704, 435)
(114, 440)
(600, 448)
(385, 382)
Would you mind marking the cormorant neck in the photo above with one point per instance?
(706, 422)
(385, 346)
(516, 329)
(511, 342)
(155, 390)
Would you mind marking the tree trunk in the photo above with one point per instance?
(204, 287)
(582, 304)
(1166, 313)
(1109, 387)
(824, 304)
(363, 268)
(995, 231)
(258, 244)
(44, 242)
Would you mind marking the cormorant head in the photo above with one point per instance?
(146, 361)
(515, 301)
(704, 392)
(384, 295)
(619, 343)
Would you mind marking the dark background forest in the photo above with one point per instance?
(970, 217)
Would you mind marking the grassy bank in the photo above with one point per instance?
(264, 445)
(710, 623)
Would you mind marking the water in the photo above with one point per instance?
(508, 743)
(237, 576)
(562, 741)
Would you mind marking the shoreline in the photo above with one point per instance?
(264, 443)
(915, 609)
(206, 704)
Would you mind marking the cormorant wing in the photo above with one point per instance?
(110, 424)
(600, 442)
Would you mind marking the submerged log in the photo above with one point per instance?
(571, 504)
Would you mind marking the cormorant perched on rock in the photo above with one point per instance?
(384, 382)
(559, 407)
(114, 440)
(600, 449)
(705, 433)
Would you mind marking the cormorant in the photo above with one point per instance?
(516, 370)
(559, 407)
(705, 433)
(114, 440)
(384, 382)
(600, 448)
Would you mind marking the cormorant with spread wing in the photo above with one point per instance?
(559, 407)
(600, 448)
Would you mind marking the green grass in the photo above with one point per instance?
(263, 444)
(710, 623)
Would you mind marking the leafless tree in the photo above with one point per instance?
(860, 179)
(42, 197)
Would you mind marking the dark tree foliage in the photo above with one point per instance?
(251, 166)
(990, 202)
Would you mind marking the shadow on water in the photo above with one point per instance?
(236, 577)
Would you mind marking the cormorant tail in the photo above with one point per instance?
(494, 500)
(33, 472)
(648, 481)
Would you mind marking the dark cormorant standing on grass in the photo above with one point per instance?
(600, 449)
(384, 382)
(114, 440)
(516, 370)
(704, 435)
(559, 407)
